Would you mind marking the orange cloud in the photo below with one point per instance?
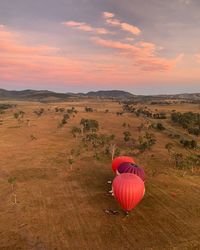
(130, 28)
(9, 45)
(20, 62)
(143, 54)
(129, 39)
(87, 27)
(108, 14)
(197, 57)
(124, 26)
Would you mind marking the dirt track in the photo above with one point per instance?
(60, 208)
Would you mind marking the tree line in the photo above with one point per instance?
(188, 120)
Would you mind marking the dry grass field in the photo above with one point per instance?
(59, 206)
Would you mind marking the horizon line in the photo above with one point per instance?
(86, 92)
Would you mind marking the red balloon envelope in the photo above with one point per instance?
(128, 190)
(119, 160)
(127, 167)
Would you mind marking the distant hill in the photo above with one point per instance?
(194, 96)
(32, 95)
(47, 96)
(185, 96)
(110, 94)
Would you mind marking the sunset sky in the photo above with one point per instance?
(141, 46)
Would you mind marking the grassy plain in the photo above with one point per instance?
(62, 207)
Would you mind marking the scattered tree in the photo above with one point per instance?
(188, 120)
(178, 160)
(192, 144)
(88, 109)
(12, 181)
(89, 125)
(39, 112)
(71, 161)
(76, 132)
(127, 136)
(160, 126)
(33, 137)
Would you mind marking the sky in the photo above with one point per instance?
(141, 46)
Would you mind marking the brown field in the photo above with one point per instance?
(62, 207)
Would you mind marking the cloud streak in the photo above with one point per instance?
(86, 27)
(24, 63)
(142, 54)
(20, 62)
(37, 64)
(197, 56)
(109, 17)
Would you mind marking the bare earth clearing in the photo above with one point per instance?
(62, 207)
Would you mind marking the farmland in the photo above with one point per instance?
(53, 182)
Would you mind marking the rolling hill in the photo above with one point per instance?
(45, 95)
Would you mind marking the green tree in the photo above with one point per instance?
(178, 160)
(88, 109)
(12, 181)
(127, 136)
(160, 126)
(76, 132)
(89, 125)
(71, 161)
(169, 147)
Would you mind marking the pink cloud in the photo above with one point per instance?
(130, 28)
(108, 14)
(124, 26)
(142, 54)
(9, 45)
(197, 56)
(35, 64)
(113, 21)
(87, 27)
(129, 39)
(20, 62)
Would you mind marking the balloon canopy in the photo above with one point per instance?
(128, 190)
(119, 160)
(127, 167)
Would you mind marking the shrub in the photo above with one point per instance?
(159, 126)
(88, 109)
(89, 125)
(189, 144)
(127, 136)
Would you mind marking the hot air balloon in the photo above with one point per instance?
(128, 190)
(118, 160)
(127, 167)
